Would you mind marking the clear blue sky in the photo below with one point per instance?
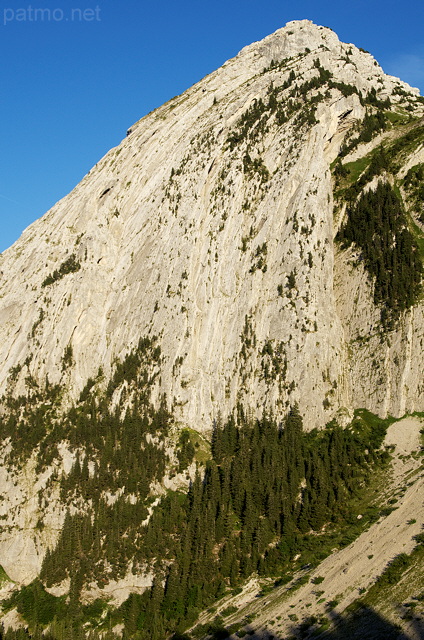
(75, 77)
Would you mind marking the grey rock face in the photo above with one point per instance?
(224, 252)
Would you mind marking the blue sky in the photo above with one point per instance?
(76, 75)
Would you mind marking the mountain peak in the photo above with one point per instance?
(210, 225)
(300, 36)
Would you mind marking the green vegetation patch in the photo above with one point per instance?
(354, 169)
(185, 451)
(403, 146)
(4, 578)
(374, 122)
(202, 447)
(377, 225)
(413, 184)
(243, 516)
(396, 118)
(71, 265)
(36, 606)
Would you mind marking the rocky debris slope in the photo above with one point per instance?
(347, 573)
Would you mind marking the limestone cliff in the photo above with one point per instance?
(211, 226)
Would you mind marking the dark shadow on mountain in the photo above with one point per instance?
(364, 624)
(414, 620)
(418, 626)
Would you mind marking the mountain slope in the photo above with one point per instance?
(211, 226)
(243, 269)
(348, 573)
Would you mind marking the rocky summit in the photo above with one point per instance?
(252, 250)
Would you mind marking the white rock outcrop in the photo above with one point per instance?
(31, 516)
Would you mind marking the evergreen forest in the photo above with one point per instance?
(377, 225)
(249, 510)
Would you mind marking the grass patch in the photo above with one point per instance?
(373, 420)
(418, 235)
(395, 118)
(355, 168)
(201, 446)
(4, 578)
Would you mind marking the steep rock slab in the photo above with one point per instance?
(211, 226)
